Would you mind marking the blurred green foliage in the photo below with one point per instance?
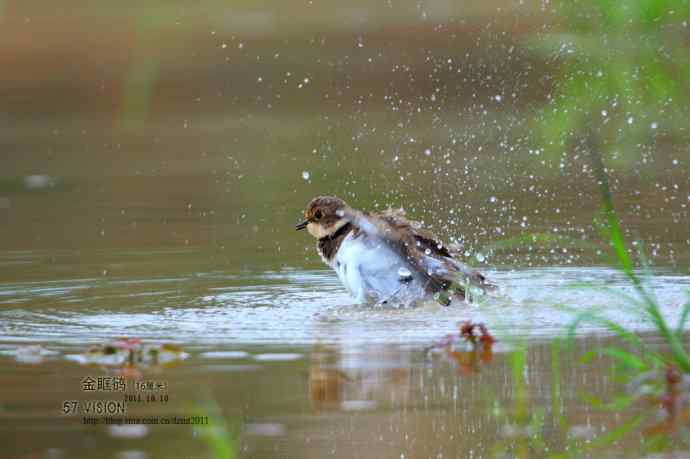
(624, 76)
(647, 374)
(219, 434)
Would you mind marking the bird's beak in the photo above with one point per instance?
(302, 225)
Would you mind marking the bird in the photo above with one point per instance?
(382, 257)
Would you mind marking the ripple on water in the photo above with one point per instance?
(280, 357)
(305, 307)
(224, 355)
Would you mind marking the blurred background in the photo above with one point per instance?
(195, 132)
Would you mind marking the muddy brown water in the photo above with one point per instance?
(155, 160)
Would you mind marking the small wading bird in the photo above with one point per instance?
(383, 257)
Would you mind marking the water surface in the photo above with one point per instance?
(285, 364)
(298, 306)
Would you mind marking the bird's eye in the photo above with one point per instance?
(318, 215)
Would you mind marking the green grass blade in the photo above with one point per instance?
(680, 356)
(592, 316)
(628, 359)
(683, 318)
(616, 434)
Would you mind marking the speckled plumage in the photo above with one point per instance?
(383, 257)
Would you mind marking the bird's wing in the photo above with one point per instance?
(437, 256)
(424, 251)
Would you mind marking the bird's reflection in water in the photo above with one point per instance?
(358, 381)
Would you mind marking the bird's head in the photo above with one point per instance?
(324, 216)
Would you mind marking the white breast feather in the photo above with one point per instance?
(369, 269)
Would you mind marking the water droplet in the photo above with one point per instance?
(654, 125)
(492, 199)
(480, 257)
(306, 175)
(631, 120)
(34, 182)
